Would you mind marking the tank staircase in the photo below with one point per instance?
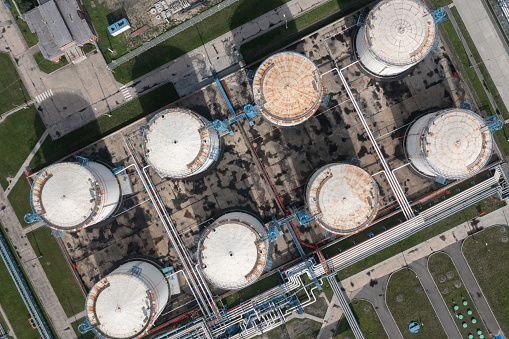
(398, 192)
(24, 291)
(197, 283)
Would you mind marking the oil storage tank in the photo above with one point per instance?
(126, 303)
(397, 34)
(343, 197)
(287, 88)
(178, 145)
(233, 251)
(452, 144)
(70, 196)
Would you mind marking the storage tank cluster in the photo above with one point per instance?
(287, 88)
(233, 251)
(71, 196)
(126, 303)
(343, 198)
(396, 35)
(178, 145)
(452, 144)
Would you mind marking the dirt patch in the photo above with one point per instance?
(367, 308)
(457, 284)
(399, 298)
(504, 239)
(442, 278)
(450, 274)
(444, 290)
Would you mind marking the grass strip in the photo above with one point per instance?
(490, 265)
(57, 270)
(407, 301)
(454, 293)
(48, 66)
(368, 321)
(13, 304)
(251, 291)
(88, 335)
(298, 28)
(208, 29)
(12, 90)
(30, 38)
(19, 133)
(484, 103)
(487, 205)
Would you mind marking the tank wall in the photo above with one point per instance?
(414, 145)
(109, 190)
(215, 143)
(371, 62)
(247, 219)
(153, 279)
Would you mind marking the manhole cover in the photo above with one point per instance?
(457, 284)
(399, 298)
(441, 278)
(450, 274)
(367, 308)
(48, 263)
(504, 239)
(444, 290)
(418, 290)
(502, 229)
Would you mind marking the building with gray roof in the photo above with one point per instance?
(61, 27)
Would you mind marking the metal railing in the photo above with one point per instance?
(24, 291)
(172, 32)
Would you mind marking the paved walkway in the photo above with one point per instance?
(32, 227)
(420, 267)
(473, 288)
(23, 168)
(77, 317)
(489, 42)
(9, 328)
(34, 270)
(358, 285)
(191, 72)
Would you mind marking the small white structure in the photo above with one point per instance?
(71, 196)
(343, 197)
(452, 144)
(397, 34)
(177, 145)
(287, 88)
(126, 303)
(233, 251)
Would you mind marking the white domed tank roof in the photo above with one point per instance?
(453, 144)
(343, 197)
(177, 144)
(233, 251)
(71, 196)
(126, 303)
(396, 35)
(288, 88)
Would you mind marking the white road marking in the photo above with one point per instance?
(43, 96)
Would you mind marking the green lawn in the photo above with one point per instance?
(487, 205)
(20, 199)
(490, 265)
(14, 307)
(319, 307)
(19, 133)
(57, 270)
(297, 329)
(247, 293)
(48, 66)
(367, 319)
(299, 27)
(414, 306)
(88, 335)
(52, 151)
(30, 38)
(210, 28)
(87, 48)
(11, 87)
(439, 265)
(12, 303)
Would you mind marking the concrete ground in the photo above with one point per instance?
(489, 42)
